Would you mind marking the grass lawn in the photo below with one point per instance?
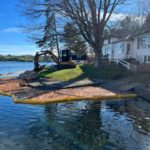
(141, 77)
(107, 71)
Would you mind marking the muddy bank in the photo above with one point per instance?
(10, 86)
(36, 95)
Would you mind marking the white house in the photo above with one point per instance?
(132, 47)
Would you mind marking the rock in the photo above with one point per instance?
(28, 75)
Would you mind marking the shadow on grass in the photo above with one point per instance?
(106, 72)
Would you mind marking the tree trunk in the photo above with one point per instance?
(98, 55)
(97, 59)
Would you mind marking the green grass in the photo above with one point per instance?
(107, 71)
(65, 74)
(141, 77)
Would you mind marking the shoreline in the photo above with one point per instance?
(29, 95)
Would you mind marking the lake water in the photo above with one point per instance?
(15, 68)
(117, 125)
(85, 125)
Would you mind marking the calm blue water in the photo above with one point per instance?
(86, 125)
(117, 125)
(15, 68)
(10, 67)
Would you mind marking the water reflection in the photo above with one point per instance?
(117, 125)
(130, 126)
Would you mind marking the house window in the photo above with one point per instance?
(148, 42)
(144, 42)
(145, 59)
(148, 58)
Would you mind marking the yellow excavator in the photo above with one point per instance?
(63, 61)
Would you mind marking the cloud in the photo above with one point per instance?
(117, 17)
(13, 30)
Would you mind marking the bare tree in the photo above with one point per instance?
(128, 26)
(42, 23)
(90, 16)
(143, 7)
(143, 12)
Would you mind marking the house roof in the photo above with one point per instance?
(131, 37)
(141, 33)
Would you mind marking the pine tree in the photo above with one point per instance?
(48, 39)
(73, 40)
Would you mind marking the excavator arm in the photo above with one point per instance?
(37, 67)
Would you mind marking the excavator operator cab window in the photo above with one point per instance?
(65, 55)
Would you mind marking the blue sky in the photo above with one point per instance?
(12, 40)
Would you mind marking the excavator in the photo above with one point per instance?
(63, 61)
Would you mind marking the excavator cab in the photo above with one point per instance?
(65, 56)
(65, 60)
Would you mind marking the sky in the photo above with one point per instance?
(12, 40)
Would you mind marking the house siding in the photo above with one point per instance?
(122, 50)
(143, 53)
(135, 48)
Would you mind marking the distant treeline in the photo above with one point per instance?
(23, 58)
